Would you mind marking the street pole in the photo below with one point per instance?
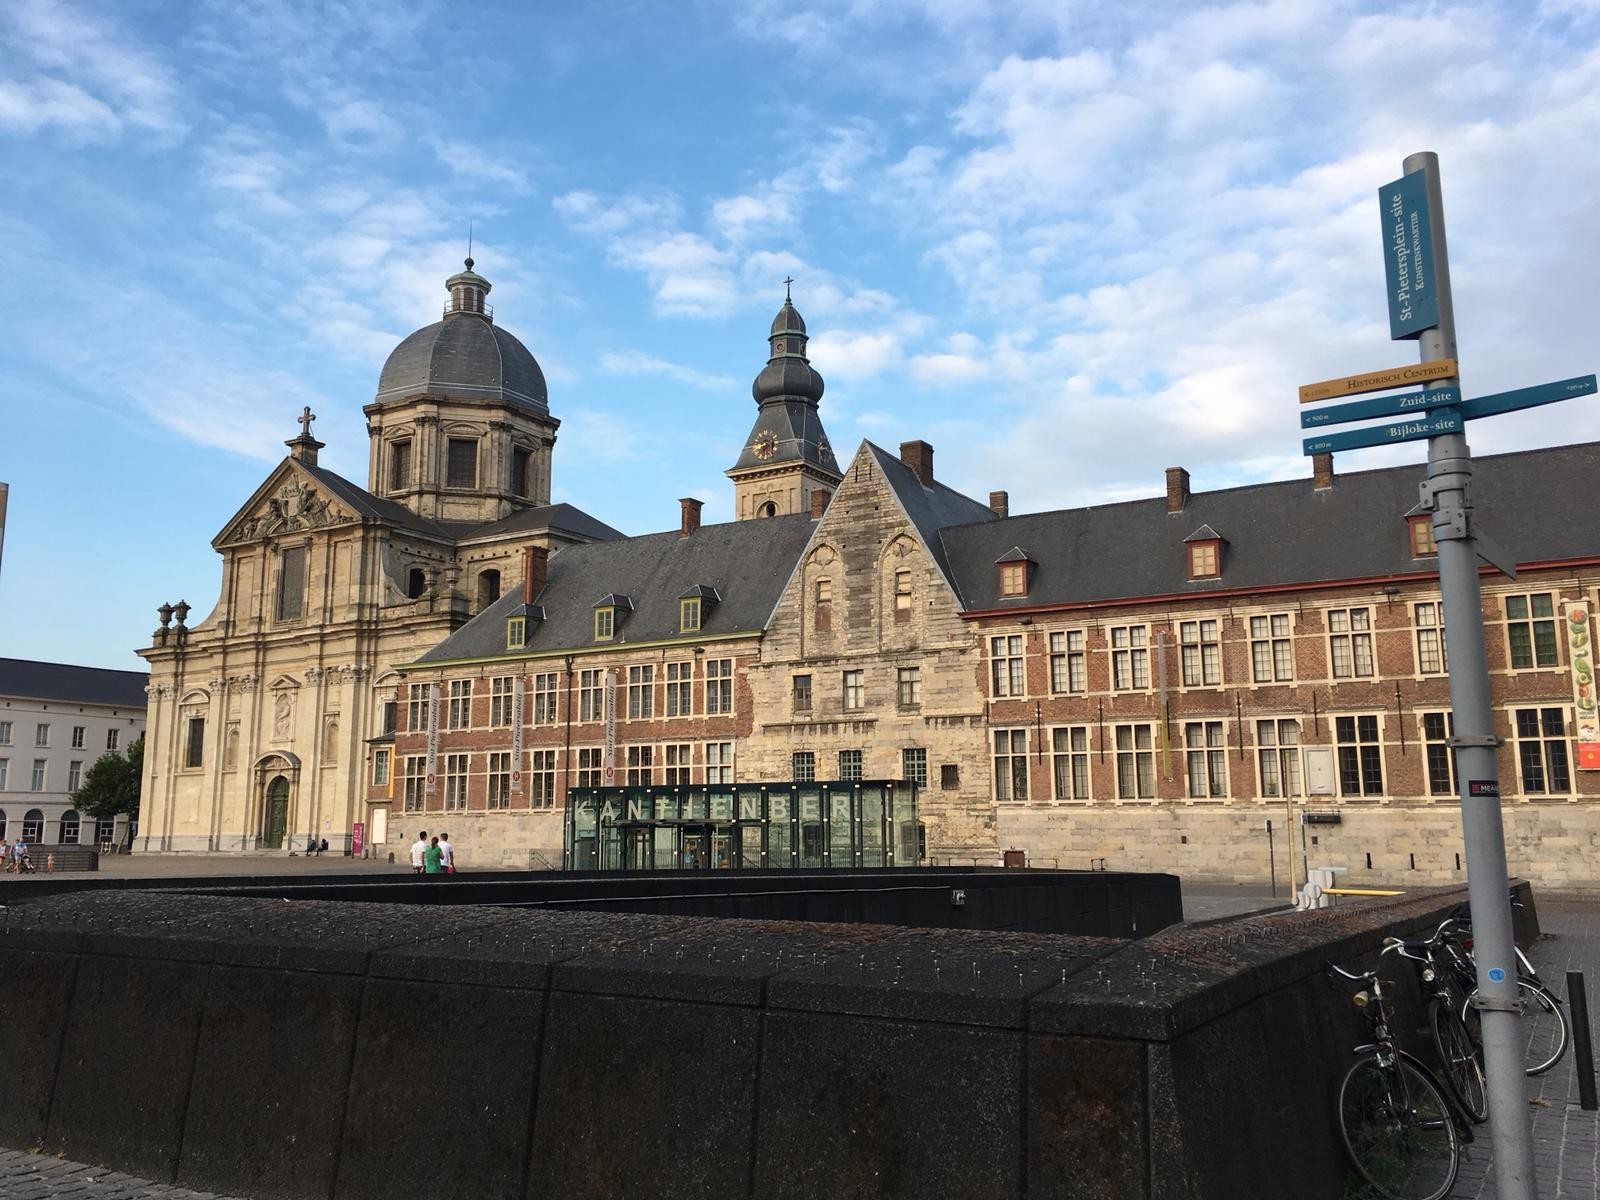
(1477, 775)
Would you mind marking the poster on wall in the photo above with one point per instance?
(1580, 652)
(516, 737)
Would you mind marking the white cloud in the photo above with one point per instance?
(634, 362)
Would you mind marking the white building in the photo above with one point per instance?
(55, 721)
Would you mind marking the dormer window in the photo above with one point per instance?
(694, 606)
(1015, 572)
(608, 614)
(1420, 531)
(689, 615)
(1204, 547)
(516, 632)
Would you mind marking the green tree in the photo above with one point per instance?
(111, 785)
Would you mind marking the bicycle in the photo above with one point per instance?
(1542, 1024)
(1398, 1126)
(1460, 1054)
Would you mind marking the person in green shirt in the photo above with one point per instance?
(432, 859)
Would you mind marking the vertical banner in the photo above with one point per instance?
(358, 833)
(516, 737)
(1408, 256)
(433, 739)
(610, 777)
(1580, 650)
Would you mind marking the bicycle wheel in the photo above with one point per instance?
(1398, 1130)
(1462, 1068)
(1542, 1028)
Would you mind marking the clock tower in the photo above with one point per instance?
(786, 457)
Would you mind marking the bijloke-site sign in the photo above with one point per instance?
(1408, 256)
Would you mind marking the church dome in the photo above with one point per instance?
(788, 374)
(465, 356)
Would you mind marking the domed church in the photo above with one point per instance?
(262, 715)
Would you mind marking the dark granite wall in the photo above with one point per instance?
(303, 1048)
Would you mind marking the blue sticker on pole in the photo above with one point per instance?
(1497, 974)
(1408, 256)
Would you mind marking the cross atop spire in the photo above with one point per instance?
(304, 448)
(787, 282)
(306, 417)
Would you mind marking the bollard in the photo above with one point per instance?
(1582, 1044)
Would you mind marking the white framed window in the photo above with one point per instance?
(499, 780)
(1350, 642)
(500, 698)
(5, 769)
(40, 769)
(458, 713)
(1543, 762)
(1130, 657)
(1278, 757)
(1200, 653)
(1011, 765)
(1437, 730)
(680, 689)
(591, 699)
(849, 764)
(1067, 668)
(545, 687)
(380, 767)
(417, 708)
(1531, 631)
(914, 765)
(803, 766)
(1136, 761)
(542, 779)
(719, 686)
(801, 693)
(41, 734)
(1360, 755)
(456, 767)
(678, 757)
(641, 692)
(908, 687)
(74, 775)
(5, 733)
(1428, 616)
(719, 762)
(414, 781)
(77, 736)
(113, 738)
(641, 766)
(1006, 668)
(591, 766)
(1069, 759)
(1271, 649)
(1205, 757)
(855, 690)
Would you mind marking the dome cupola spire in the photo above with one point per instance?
(788, 374)
(467, 291)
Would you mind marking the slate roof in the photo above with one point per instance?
(747, 562)
(552, 516)
(377, 508)
(933, 508)
(464, 356)
(1535, 503)
(62, 683)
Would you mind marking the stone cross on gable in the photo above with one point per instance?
(306, 417)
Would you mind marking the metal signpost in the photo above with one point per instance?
(1417, 267)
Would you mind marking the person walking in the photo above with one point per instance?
(432, 859)
(449, 853)
(419, 849)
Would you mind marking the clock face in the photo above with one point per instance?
(765, 445)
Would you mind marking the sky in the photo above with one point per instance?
(1068, 244)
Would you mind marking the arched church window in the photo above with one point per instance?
(33, 825)
(69, 828)
(769, 509)
(488, 588)
(416, 583)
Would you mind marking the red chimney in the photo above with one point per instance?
(1000, 503)
(1177, 489)
(535, 571)
(919, 457)
(1321, 471)
(689, 517)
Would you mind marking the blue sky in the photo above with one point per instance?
(1068, 244)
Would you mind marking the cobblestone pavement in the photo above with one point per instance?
(1566, 1140)
(40, 1177)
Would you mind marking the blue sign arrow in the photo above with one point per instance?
(1530, 397)
(1439, 421)
(1382, 406)
(1408, 256)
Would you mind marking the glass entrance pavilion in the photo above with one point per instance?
(845, 823)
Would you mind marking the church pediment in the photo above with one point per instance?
(290, 501)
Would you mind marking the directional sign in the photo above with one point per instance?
(1408, 256)
(1530, 397)
(1378, 381)
(1443, 420)
(1379, 406)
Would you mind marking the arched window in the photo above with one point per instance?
(33, 825)
(769, 509)
(69, 828)
(416, 583)
(488, 588)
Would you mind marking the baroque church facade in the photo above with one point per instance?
(1223, 684)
